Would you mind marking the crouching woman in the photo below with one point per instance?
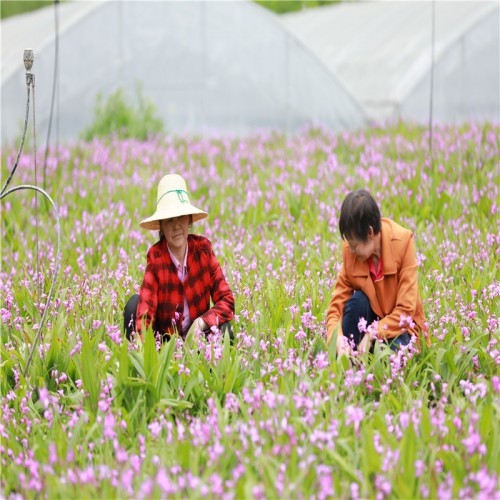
(377, 284)
(184, 288)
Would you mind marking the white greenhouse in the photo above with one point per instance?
(389, 54)
(233, 66)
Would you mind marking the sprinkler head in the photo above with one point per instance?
(29, 57)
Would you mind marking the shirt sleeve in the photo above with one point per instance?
(407, 297)
(341, 294)
(222, 296)
(148, 296)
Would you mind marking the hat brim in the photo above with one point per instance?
(153, 223)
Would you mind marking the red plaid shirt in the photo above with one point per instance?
(161, 298)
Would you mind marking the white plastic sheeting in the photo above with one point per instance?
(382, 52)
(206, 65)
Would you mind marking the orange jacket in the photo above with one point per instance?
(396, 295)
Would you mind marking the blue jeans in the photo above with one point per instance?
(357, 307)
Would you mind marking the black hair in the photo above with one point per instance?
(358, 213)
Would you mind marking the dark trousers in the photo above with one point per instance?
(357, 307)
(129, 320)
(129, 315)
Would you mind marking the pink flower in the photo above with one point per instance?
(155, 428)
(52, 454)
(354, 491)
(184, 369)
(362, 324)
(495, 382)
(109, 426)
(164, 483)
(354, 416)
(419, 468)
(406, 322)
(473, 443)
(231, 403)
(383, 485)
(44, 396)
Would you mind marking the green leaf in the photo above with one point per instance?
(124, 364)
(175, 403)
(408, 456)
(150, 355)
(136, 359)
(163, 373)
(343, 465)
(90, 379)
(425, 425)
(370, 459)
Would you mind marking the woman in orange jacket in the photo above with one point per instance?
(378, 283)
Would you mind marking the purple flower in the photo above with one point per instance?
(383, 486)
(354, 416)
(155, 428)
(473, 443)
(44, 396)
(406, 322)
(354, 487)
(495, 382)
(419, 468)
(164, 483)
(109, 426)
(53, 459)
(231, 403)
(362, 325)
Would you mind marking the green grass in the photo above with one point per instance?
(117, 116)
(275, 414)
(10, 8)
(285, 6)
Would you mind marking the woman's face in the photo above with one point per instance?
(176, 231)
(363, 250)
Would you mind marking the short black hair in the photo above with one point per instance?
(358, 213)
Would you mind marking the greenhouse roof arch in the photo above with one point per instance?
(383, 52)
(206, 66)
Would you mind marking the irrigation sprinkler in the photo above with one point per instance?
(28, 59)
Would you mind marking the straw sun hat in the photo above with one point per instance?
(172, 201)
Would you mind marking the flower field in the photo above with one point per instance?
(275, 415)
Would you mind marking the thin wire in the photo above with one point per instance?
(56, 268)
(54, 85)
(37, 268)
(22, 140)
(431, 98)
(58, 81)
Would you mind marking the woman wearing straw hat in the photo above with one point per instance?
(182, 273)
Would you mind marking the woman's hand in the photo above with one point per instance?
(365, 344)
(199, 325)
(343, 347)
